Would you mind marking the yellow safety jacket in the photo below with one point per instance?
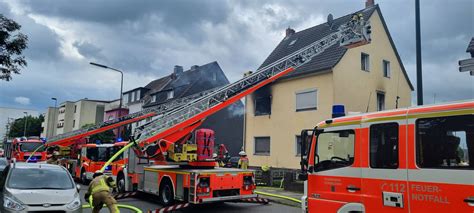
(243, 162)
(99, 184)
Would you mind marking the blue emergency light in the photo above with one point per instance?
(109, 167)
(98, 142)
(119, 139)
(338, 110)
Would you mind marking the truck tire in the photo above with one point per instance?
(166, 196)
(121, 183)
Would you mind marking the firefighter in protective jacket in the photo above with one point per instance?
(99, 193)
(243, 161)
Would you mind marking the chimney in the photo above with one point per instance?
(369, 3)
(194, 67)
(177, 70)
(290, 32)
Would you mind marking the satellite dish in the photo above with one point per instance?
(330, 20)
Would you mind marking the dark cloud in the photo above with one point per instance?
(147, 38)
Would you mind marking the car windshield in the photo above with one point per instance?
(39, 178)
(31, 147)
(102, 153)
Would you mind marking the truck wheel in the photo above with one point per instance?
(121, 183)
(166, 196)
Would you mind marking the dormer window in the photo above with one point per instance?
(292, 42)
(153, 98)
(170, 94)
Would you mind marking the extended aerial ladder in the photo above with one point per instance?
(173, 123)
(171, 126)
(177, 118)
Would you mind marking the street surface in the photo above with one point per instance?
(147, 202)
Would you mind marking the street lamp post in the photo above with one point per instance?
(54, 116)
(121, 91)
(121, 80)
(26, 122)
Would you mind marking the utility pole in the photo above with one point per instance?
(26, 123)
(419, 77)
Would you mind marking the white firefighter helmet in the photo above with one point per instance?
(214, 155)
(97, 173)
(242, 153)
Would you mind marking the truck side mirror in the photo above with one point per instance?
(302, 176)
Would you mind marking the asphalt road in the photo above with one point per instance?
(147, 202)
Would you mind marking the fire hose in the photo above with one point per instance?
(278, 196)
(133, 208)
(116, 155)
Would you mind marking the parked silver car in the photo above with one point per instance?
(31, 187)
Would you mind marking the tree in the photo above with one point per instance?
(104, 137)
(12, 44)
(33, 126)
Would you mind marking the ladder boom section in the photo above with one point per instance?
(349, 35)
(69, 137)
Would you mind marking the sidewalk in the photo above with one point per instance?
(280, 191)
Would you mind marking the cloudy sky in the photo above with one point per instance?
(147, 38)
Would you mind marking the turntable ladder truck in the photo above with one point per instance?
(168, 162)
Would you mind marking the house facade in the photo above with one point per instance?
(227, 123)
(365, 78)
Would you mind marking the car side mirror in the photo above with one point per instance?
(78, 187)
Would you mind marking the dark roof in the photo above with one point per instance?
(470, 47)
(329, 58)
(190, 82)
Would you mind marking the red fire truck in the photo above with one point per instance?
(417, 159)
(172, 158)
(92, 157)
(22, 148)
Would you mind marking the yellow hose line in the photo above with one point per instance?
(31, 155)
(123, 206)
(278, 196)
(115, 156)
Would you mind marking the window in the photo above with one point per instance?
(364, 61)
(334, 150)
(386, 68)
(73, 123)
(263, 105)
(170, 94)
(298, 145)
(306, 100)
(262, 146)
(153, 98)
(445, 142)
(133, 97)
(384, 146)
(214, 76)
(75, 108)
(138, 95)
(125, 98)
(380, 101)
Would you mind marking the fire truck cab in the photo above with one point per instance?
(418, 159)
(92, 157)
(22, 148)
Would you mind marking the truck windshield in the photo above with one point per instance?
(334, 150)
(31, 147)
(102, 153)
(39, 178)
